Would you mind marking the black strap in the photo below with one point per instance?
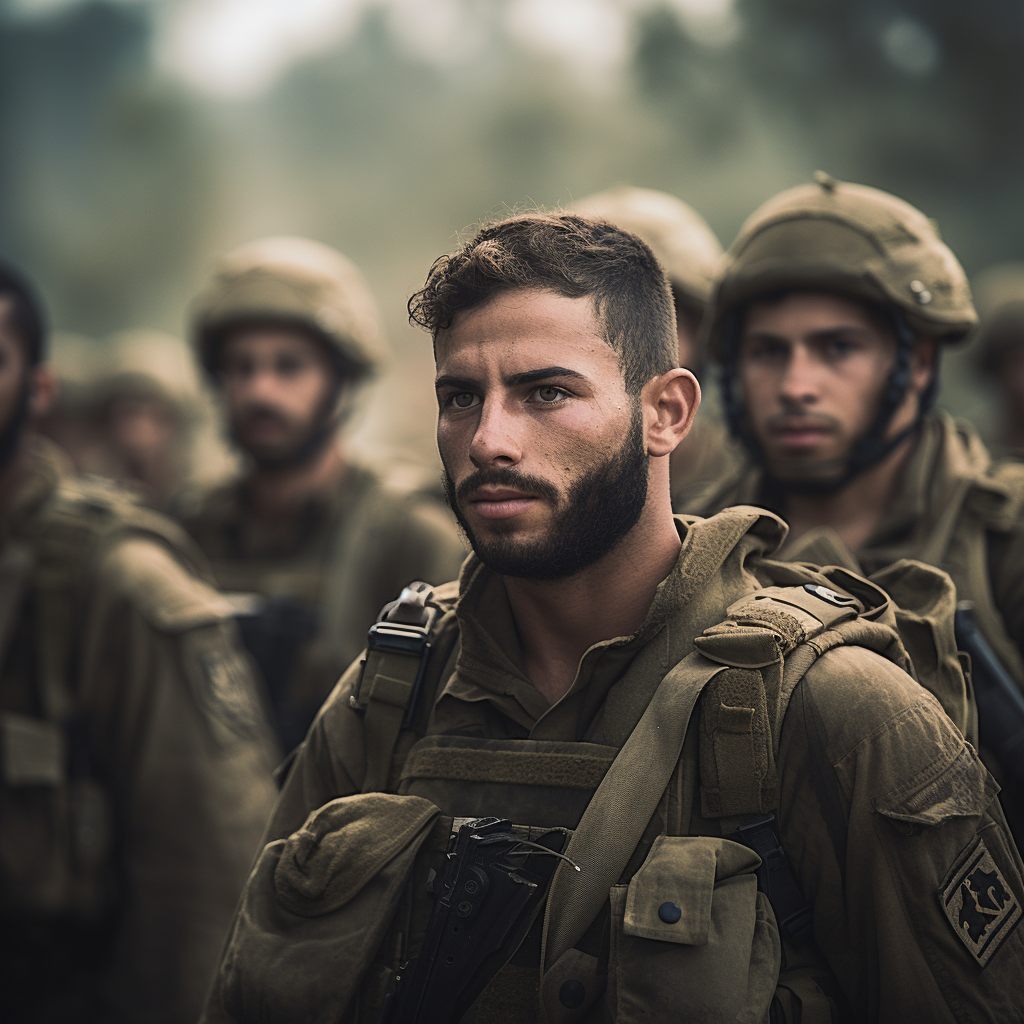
(775, 878)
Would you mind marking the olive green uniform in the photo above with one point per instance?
(350, 551)
(880, 797)
(137, 766)
(954, 508)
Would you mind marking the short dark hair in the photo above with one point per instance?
(572, 256)
(26, 317)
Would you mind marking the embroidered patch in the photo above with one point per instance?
(979, 905)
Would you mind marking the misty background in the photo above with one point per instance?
(142, 137)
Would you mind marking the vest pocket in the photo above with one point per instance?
(692, 938)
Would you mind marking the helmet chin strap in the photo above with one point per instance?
(325, 427)
(872, 446)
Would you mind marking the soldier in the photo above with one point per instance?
(136, 764)
(828, 322)
(147, 407)
(312, 543)
(999, 348)
(564, 661)
(689, 253)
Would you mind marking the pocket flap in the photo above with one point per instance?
(31, 751)
(670, 897)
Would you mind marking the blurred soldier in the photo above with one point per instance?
(552, 687)
(312, 543)
(828, 322)
(999, 348)
(145, 408)
(75, 363)
(690, 254)
(136, 765)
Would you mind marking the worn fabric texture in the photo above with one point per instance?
(351, 551)
(881, 801)
(121, 863)
(956, 509)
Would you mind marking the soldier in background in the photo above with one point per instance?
(311, 543)
(828, 321)
(690, 254)
(136, 762)
(999, 348)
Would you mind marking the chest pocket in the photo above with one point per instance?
(691, 936)
(543, 783)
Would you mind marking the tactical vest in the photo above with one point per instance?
(633, 826)
(57, 819)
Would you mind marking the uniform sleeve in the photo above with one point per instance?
(184, 749)
(901, 848)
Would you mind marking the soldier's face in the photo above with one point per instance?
(279, 388)
(813, 367)
(543, 449)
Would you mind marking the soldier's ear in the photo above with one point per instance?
(42, 384)
(922, 362)
(669, 405)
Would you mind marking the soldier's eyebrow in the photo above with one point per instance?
(532, 376)
(458, 383)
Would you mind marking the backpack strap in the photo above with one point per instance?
(398, 649)
(616, 817)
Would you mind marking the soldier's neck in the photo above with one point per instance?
(558, 620)
(278, 493)
(855, 511)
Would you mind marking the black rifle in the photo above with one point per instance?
(999, 699)
(488, 901)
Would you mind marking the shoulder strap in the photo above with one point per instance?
(617, 815)
(729, 668)
(399, 645)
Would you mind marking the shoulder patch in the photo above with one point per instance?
(979, 905)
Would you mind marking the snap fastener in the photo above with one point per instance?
(571, 994)
(921, 292)
(669, 912)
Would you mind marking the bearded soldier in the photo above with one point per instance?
(136, 763)
(690, 254)
(309, 543)
(828, 323)
(542, 705)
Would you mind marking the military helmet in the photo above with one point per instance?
(852, 239)
(999, 291)
(294, 281)
(679, 237)
(150, 364)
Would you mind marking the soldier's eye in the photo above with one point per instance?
(463, 400)
(549, 394)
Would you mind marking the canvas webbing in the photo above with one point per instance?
(508, 767)
(618, 814)
(391, 676)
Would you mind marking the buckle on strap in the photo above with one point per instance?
(404, 628)
(777, 880)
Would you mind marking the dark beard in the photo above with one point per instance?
(598, 510)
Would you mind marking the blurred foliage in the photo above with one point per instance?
(116, 185)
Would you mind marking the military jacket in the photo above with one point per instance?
(882, 802)
(350, 551)
(137, 764)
